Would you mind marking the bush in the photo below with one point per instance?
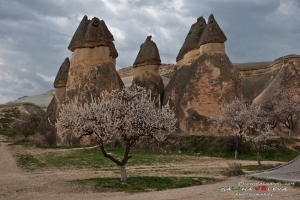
(150, 144)
(297, 184)
(48, 138)
(230, 143)
(234, 169)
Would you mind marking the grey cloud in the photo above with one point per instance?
(34, 34)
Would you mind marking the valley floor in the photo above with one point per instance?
(53, 184)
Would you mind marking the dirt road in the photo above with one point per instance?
(54, 184)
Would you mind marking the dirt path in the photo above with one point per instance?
(54, 184)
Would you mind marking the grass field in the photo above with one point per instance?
(174, 164)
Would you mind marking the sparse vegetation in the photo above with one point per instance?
(26, 124)
(283, 106)
(141, 183)
(234, 169)
(90, 158)
(8, 116)
(258, 168)
(49, 138)
(297, 184)
(29, 162)
(175, 149)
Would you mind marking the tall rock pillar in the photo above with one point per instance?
(92, 46)
(92, 69)
(146, 69)
(199, 90)
(60, 82)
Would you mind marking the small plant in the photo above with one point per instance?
(297, 184)
(234, 169)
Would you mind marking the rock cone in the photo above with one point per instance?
(212, 33)
(193, 37)
(92, 33)
(146, 69)
(148, 54)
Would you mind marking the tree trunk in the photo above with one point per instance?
(258, 158)
(123, 173)
(290, 133)
(236, 147)
(235, 154)
(26, 138)
(272, 131)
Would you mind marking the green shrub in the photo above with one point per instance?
(297, 184)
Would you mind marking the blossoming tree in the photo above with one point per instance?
(283, 106)
(126, 115)
(240, 116)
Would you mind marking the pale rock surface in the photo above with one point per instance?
(198, 91)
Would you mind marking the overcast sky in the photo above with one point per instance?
(35, 34)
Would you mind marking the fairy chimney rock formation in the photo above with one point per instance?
(92, 46)
(146, 69)
(61, 79)
(198, 91)
(202, 38)
(189, 50)
(213, 38)
(91, 33)
(51, 114)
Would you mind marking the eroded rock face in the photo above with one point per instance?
(198, 91)
(202, 38)
(96, 80)
(92, 46)
(92, 69)
(62, 75)
(152, 82)
(284, 74)
(146, 69)
(148, 54)
(91, 33)
(60, 82)
(89, 85)
(212, 33)
(192, 39)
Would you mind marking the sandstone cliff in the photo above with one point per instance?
(283, 73)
